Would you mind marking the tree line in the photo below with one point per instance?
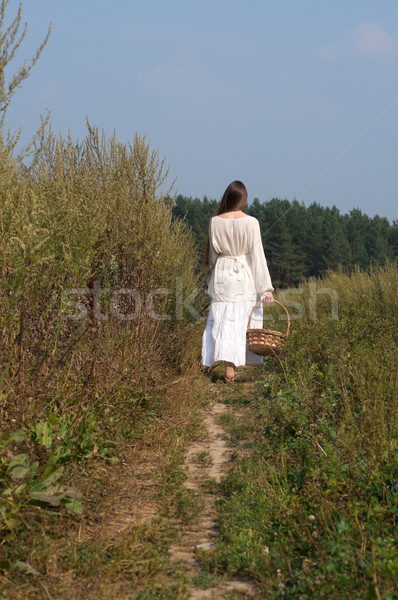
(301, 241)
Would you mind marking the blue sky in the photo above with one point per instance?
(271, 93)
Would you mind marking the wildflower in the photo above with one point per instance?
(311, 517)
(266, 550)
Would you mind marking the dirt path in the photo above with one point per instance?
(207, 460)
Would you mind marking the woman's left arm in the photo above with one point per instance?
(268, 297)
(261, 274)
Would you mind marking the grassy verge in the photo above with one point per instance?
(131, 503)
(93, 333)
(312, 511)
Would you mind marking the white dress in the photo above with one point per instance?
(239, 277)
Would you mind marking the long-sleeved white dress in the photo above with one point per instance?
(239, 277)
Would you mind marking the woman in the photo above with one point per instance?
(237, 278)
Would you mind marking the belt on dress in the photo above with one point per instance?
(240, 262)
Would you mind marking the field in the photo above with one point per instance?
(102, 398)
(312, 512)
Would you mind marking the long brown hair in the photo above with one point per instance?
(234, 198)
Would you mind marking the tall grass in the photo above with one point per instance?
(93, 276)
(87, 214)
(313, 513)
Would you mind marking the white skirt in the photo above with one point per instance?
(224, 337)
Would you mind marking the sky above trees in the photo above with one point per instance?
(272, 93)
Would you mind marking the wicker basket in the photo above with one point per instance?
(266, 341)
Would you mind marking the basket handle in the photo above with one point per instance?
(276, 302)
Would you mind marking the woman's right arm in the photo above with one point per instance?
(212, 253)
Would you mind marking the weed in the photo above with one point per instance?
(204, 458)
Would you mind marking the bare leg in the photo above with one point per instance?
(229, 370)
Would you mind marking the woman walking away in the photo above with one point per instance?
(237, 278)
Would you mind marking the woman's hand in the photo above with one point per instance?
(268, 297)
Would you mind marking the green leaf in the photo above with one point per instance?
(33, 469)
(62, 454)
(52, 419)
(45, 498)
(26, 567)
(18, 436)
(52, 478)
(47, 479)
(74, 506)
(44, 432)
(55, 457)
(19, 466)
(67, 491)
(19, 489)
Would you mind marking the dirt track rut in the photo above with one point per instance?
(208, 459)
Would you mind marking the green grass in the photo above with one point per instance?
(312, 513)
(204, 458)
